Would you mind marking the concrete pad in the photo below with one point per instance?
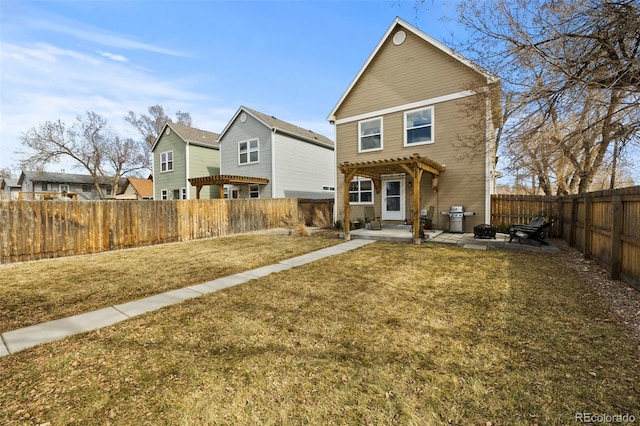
(152, 303)
(267, 270)
(27, 337)
(3, 349)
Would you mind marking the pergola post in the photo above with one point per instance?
(221, 191)
(347, 205)
(198, 188)
(417, 179)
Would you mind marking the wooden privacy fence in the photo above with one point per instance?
(31, 230)
(604, 225)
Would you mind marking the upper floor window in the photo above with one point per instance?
(361, 191)
(418, 126)
(248, 152)
(166, 161)
(370, 135)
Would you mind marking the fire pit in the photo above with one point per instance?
(484, 231)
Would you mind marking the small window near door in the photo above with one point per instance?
(254, 191)
(183, 191)
(164, 194)
(418, 127)
(361, 191)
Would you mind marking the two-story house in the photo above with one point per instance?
(414, 129)
(265, 157)
(180, 153)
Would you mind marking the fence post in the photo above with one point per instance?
(616, 237)
(573, 222)
(587, 227)
(559, 218)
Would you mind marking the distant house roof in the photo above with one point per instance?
(490, 77)
(283, 127)
(144, 187)
(7, 184)
(37, 176)
(191, 135)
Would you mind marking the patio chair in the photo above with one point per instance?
(533, 231)
(370, 219)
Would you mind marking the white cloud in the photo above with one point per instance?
(114, 56)
(97, 35)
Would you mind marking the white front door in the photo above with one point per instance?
(393, 199)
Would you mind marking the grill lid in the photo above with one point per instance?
(456, 209)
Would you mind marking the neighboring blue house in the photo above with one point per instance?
(264, 157)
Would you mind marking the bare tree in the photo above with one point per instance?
(573, 69)
(5, 173)
(90, 144)
(149, 126)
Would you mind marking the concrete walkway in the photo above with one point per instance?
(23, 338)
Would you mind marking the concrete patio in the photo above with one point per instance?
(403, 234)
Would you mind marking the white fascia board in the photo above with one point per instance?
(409, 106)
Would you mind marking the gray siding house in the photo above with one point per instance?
(180, 153)
(292, 162)
(37, 185)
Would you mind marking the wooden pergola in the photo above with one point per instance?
(222, 180)
(414, 166)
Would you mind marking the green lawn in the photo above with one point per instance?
(386, 334)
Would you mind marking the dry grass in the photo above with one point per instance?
(387, 334)
(35, 292)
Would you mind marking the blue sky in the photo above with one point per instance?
(290, 59)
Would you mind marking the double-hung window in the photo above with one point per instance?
(361, 191)
(248, 152)
(418, 126)
(254, 191)
(166, 161)
(370, 135)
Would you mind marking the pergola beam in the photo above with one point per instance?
(221, 180)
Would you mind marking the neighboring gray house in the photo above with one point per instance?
(180, 153)
(9, 189)
(264, 157)
(36, 185)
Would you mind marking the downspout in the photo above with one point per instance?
(186, 178)
(488, 160)
(153, 175)
(335, 171)
(273, 163)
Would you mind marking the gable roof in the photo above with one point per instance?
(9, 183)
(144, 187)
(190, 135)
(281, 126)
(491, 78)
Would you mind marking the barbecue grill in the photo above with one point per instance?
(456, 218)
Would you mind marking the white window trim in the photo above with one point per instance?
(251, 187)
(183, 193)
(432, 127)
(62, 186)
(164, 194)
(381, 135)
(248, 142)
(361, 203)
(166, 161)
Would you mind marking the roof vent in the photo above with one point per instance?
(399, 38)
